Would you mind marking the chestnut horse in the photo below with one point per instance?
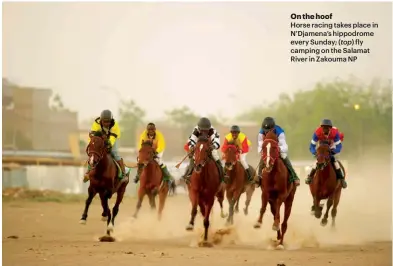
(325, 185)
(151, 182)
(204, 185)
(103, 180)
(276, 188)
(237, 182)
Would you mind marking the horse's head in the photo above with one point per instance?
(323, 154)
(230, 156)
(202, 152)
(96, 149)
(146, 152)
(270, 150)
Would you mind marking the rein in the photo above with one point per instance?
(99, 155)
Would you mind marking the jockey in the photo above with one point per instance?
(242, 143)
(109, 126)
(151, 133)
(269, 124)
(204, 125)
(326, 131)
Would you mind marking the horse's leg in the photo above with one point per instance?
(194, 209)
(162, 195)
(287, 212)
(336, 201)
(104, 196)
(237, 206)
(152, 201)
(249, 192)
(273, 211)
(206, 221)
(141, 195)
(220, 198)
(115, 210)
(265, 198)
(328, 206)
(276, 223)
(317, 207)
(89, 199)
(231, 203)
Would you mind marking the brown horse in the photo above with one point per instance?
(103, 180)
(151, 182)
(237, 183)
(276, 188)
(325, 185)
(204, 185)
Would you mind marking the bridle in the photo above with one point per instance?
(91, 153)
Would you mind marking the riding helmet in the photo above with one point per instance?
(327, 122)
(268, 123)
(235, 128)
(204, 124)
(106, 115)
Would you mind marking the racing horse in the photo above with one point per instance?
(151, 180)
(237, 182)
(276, 188)
(325, 185)
(204, 185)
(103, 179)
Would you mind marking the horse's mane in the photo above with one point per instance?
(98, 134)
(324, 143)
(231, 144)
(147, 143)
(271, 135)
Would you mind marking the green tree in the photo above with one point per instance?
(363, 112)
(131, 116)
(184, 118)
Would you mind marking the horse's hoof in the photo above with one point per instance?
(312, 213)
(107, 238)
(245, 211)
(104, 219)
(257, 225)
(224, 215)
(324, 222)
(110, 228)
(275, 227)
(134, 216)
(227, 223)
(236, 210)
(82, 221)
(189, 227)
(205, 244)
(280, 247)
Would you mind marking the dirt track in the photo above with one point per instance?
(49, 234)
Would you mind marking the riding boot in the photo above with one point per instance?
(220, 171)
(293, 176)
(123, 176)
(260, 168)
(138, 173)
(310, 176)
(187, 174)
(340, 176)
(86, 176)
(249, 175)
(165, 172)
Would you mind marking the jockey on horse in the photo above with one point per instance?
(109, 126)
(204, 126)
(240, 140)
(269, 124)
(152, 134)
(326, 132)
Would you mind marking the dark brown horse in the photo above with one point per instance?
(204, 185)
(103, 180)
(325, 185)
(237, 182)
(276, 188)
(151, 182)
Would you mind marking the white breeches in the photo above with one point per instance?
(243, 160)
(283, 155)
(159, 158)
(215, 155)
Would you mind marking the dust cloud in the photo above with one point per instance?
(364, 215)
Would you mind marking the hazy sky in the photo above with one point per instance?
(213, 57)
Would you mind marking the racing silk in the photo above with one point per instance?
(158, 140)
(112, 133)
(334, 138)
(242, 142)
(282, 143)
(213, 135)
